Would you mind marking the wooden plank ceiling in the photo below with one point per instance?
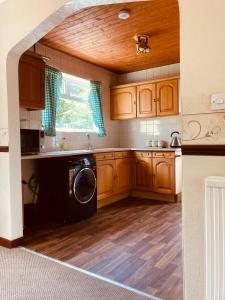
(96, 35)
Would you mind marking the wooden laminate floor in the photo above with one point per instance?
(135, 242)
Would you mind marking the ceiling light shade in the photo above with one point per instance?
(123, 14)
(142, 44)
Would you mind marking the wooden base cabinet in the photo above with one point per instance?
(106, 179)
(164, 175)
(123, 174)
(113, 175)
(143, 173)
(147, 172)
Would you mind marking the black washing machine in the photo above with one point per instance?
(67, 191)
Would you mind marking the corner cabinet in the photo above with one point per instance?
(143, 100)
(143, 174)
(123, 103)
(31, 82)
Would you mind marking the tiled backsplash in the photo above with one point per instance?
(137, 133)
(73, 140)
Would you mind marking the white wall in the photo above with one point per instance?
(137, 133)
(17, 20)
(202, 73)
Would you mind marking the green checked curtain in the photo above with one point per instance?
(94, 100)
(53, 82)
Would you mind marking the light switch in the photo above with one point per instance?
(218, 101)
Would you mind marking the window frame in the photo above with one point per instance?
(75, 130)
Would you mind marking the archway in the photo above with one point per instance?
(57, 11)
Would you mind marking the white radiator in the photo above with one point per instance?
(215, 238)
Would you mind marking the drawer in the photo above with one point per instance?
(103, 156)
(122, 154)
(142, 154)
(164, 154)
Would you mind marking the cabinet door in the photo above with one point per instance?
(143, 173)
(146, 102)
(32, 82)
(164, 175)
(123, 174)
(123, 103)
(167, 97)
(106, 178)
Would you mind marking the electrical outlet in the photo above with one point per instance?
(218, 101)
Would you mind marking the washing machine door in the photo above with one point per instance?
(84, 185)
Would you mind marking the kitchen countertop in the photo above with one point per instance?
(93, 151)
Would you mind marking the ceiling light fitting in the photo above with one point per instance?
(123, 14)
(142, 44)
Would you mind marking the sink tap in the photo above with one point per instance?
(89, 141)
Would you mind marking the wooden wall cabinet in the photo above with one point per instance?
(31, 82)
(146, 99)
(158, 98)
(167, 98)
(123, 103)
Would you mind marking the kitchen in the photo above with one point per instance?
(130, 160)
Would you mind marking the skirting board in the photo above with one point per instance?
(10, 244)
(110, 200)
(155, 196)
(140, 194)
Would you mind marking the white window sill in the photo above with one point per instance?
(76, 130)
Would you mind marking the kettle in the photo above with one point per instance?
(175, 141)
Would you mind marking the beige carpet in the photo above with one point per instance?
(26, 275)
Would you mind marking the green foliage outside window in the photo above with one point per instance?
(73, 111)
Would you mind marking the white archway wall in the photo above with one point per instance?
(202, 73)
(22, 23)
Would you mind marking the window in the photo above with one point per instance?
(74, 112)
